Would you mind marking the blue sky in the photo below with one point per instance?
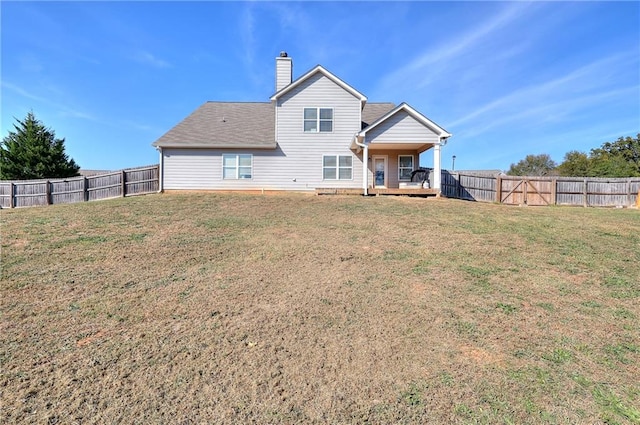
(506, 78)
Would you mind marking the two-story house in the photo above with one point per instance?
(316, 132)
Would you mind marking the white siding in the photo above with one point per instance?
(296, 164)
(190, 168)
(304, 150)
(272, 170)
(284, 68)
(401, 128)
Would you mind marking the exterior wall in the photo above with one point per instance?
(272, 170)
(304, 151)
(392, 165)
(401, 128)
(296, 163)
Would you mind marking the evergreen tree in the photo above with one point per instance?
(33, 152)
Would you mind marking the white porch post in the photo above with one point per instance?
(365, 169)
(437, 168)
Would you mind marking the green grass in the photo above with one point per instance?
(233, 308)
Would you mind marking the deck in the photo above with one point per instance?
(378, 192)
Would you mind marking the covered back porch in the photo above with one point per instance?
(391, 148)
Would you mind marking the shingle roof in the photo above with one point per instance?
(373, 111)
(224, 125)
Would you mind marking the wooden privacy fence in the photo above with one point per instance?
(531, 190)
(29, 193)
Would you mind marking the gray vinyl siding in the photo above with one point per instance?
(401, 128)
(272, 170)
(304, 151)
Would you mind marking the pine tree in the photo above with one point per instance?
(33, 152)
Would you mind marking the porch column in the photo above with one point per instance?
(437, 168)
(365, 169)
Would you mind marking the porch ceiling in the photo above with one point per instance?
(420, 147)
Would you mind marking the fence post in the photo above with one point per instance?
(499, 189)
(554, 190)
(47, 192)
(85, 189)
(12, 188)
(123, 178)
(629, 199)
(585, 201)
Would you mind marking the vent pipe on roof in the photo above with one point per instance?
(284, 71)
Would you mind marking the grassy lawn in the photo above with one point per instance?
(231, 308)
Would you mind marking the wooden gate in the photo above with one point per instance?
(525, 190)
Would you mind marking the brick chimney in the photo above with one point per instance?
(284, 71)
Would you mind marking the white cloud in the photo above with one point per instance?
(557, 98)
(433, 62)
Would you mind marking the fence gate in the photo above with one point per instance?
(525, 191)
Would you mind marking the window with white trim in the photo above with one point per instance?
(237, 166)
(405, 167)
(318, 120)
(337, 167)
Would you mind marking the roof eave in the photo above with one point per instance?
(273, 145)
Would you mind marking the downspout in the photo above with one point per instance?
(160, 172)
(365, 166)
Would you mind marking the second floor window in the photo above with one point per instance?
(318, 120)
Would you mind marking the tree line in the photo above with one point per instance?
(613, 159)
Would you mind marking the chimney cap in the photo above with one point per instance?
(283, 54)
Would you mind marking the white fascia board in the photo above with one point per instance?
(327, 74)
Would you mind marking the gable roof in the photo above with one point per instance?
(323, 71)
(441, 132)
(372, 111)
(224, 125)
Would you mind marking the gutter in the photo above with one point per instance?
(365, 166)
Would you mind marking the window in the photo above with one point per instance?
(318, 120)
(337, 167)
(237, 166)
(405, 167)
